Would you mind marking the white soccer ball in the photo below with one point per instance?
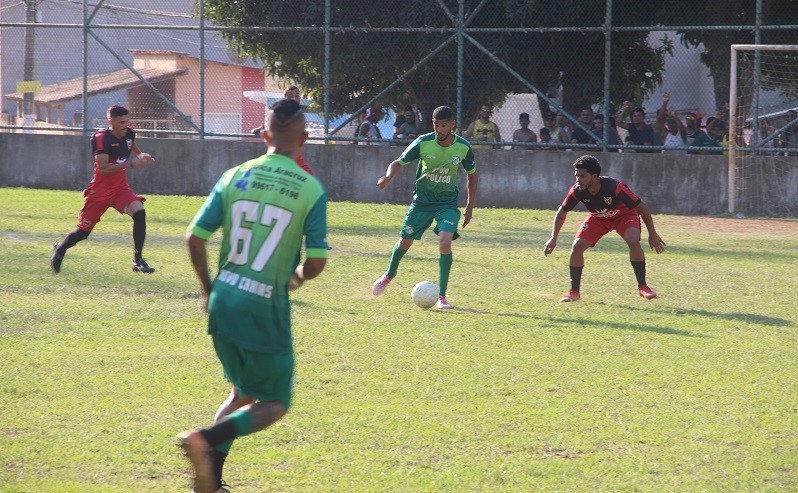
(424, 294)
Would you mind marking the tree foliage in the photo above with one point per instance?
(716, 43)
(365, 62)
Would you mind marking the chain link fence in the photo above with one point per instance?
(520, 74)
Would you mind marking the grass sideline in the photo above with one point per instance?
(510, 391)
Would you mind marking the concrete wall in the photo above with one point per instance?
(670, 184)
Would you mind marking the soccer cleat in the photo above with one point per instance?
(442, 304)
(55, 260)
(571, 295)
(380, 284)
(141, 265)
(646, 292)
(198, 453)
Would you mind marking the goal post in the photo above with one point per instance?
(763, 94)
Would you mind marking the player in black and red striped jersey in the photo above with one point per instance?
(611, 206)
(115, 151)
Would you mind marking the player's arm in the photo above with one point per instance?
(392, 171)
(497, 135)
(198, 253)
(619, 118)
(559, 220)
(310, 269)
(105, 166)
(654, 241)
(469, 132)
(472, 184)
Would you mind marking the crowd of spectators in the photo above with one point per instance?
(671, 131)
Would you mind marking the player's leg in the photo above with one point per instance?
(629, 230)
(134, 207)
(234, 402)
(446, 228)
(267, 378)
(590, 232)
(90, 214)
(413, 227)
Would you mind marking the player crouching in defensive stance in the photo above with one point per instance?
(611, 206)
(115, 151)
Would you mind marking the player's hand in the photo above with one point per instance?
(296, 279)
(549, 246)
(467, 216)
(382, 182)
(656, 243)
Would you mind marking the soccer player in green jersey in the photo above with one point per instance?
(265, 207)
(439, 154)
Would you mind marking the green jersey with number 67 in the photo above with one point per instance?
(436, 176)
(265, 207)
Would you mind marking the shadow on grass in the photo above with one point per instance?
(547, 322)
(739, 317)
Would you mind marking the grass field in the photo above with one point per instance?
(510, 391)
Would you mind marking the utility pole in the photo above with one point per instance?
(28, 111)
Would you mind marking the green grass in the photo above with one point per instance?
(510, 391)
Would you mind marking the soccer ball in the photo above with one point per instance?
(424, 294)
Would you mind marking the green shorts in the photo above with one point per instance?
(266, 377)
(417, 221)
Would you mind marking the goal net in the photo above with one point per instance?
(763, 129)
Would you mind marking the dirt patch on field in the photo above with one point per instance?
(778, 227)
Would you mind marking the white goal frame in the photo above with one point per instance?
(733, 144)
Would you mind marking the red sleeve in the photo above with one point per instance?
(626, 196)
(98, 142)
(570, 201)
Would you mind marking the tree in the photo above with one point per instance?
(363, 63)
(717, 43)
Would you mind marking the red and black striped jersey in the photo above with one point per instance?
(612, 199)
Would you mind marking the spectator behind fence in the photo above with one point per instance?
(697, 137)
(640, 133)
(564, 129)
(672, 131)
(361, 117)
(368, 129)
(407, 125)
(483, 129)
(613, 137)
(545, 138)
(717, 130)
(759, 139)
(579, 136)
(524, 134)
(550, 120)
(789, 138)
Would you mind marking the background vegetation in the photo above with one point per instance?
(375, 53)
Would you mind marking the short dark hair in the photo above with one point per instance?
(588, 163)
(117, 110)
(284, 112)
(443, 113)
(598, 116)
(523, 116)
